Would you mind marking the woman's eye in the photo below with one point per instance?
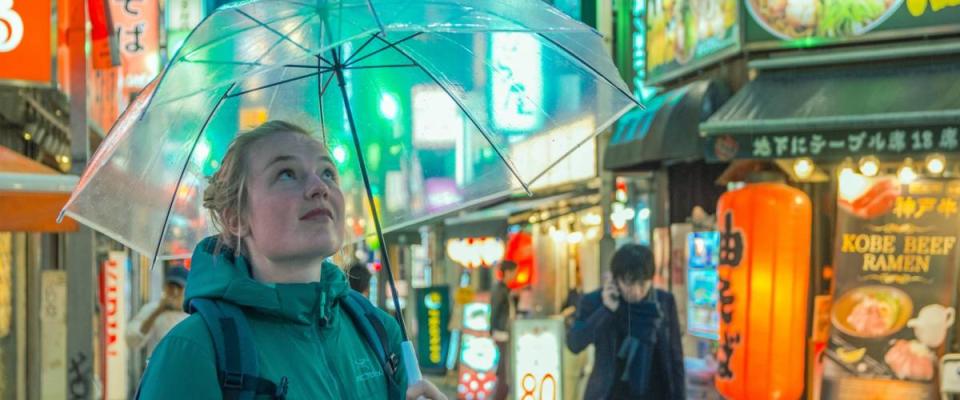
(329, 174)
(286, 174)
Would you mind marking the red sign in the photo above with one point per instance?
(26, 53)
(104, 54)
(136, 27)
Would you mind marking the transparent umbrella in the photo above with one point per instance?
(426, 106)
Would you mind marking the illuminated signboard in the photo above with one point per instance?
(516, 81)
(538, 352)
(437, 121)
(433, 316)
(812, 23)
(114, 325)
(682, 36)
(25, 43)
(475, 252)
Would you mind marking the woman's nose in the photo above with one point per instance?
(316, 187)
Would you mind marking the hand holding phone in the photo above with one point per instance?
(610, 294)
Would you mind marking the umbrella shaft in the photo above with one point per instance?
(338, 70)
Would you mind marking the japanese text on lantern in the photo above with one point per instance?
(731, 254)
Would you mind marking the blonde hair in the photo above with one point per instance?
(225, 192)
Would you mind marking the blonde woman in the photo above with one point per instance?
(277, 202)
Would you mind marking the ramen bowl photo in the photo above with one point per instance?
(872, 311)
(795, 19)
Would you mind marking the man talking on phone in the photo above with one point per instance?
(634, 330)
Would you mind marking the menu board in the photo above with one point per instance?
(685, 34)
(896, 270)
(810, 23)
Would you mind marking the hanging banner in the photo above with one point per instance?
(433, 318)
(137, 33)
(26, 51)
(104, 53)
(896, 271)
(114, 318)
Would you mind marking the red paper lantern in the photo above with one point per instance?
(764, 277)
(520, 251)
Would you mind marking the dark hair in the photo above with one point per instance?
(632, 263)
(507, 265)
(359, 277)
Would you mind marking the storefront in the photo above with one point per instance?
(866, 135)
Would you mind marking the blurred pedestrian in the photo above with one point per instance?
(503, 310)
(359, 276)
(635, 332)
(156, 318)
(271, 316)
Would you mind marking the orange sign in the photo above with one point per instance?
(26, 53)
(136, 27)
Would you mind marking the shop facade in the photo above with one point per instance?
(858, 124)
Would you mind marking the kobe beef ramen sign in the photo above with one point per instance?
(896, 268)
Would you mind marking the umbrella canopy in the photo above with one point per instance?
(442, 101)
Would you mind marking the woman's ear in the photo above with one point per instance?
(235, 224)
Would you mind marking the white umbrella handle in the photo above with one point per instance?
(410, 364)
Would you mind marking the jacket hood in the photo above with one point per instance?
(219, 275)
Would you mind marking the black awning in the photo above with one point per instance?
(840, 111)
(667, 130)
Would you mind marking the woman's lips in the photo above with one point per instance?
(317, 213)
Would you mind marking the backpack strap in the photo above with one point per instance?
(365, 319)
(237, 368)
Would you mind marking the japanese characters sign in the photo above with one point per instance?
(433, 316)
(896, 270)
(731, 253)
(835, 145)
(26, 53)
(137, 34)
(114, 303)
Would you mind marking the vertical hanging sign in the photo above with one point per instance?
(137, 33)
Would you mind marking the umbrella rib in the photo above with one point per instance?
(326, 85)
(232, 34)
(469, 115)
(183, 171)
(384, 47)
(363, 46)
(272, 84)
(382, 66)
(249, 64)
(304, 66)
(376, 17)
(590, 67)
(277, 43)
(274, 31)
(321, 88)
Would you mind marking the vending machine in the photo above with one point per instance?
(703, 319)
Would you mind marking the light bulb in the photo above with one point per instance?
(869, 166)
(906, 172)
(936, 163)
(803, 168)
